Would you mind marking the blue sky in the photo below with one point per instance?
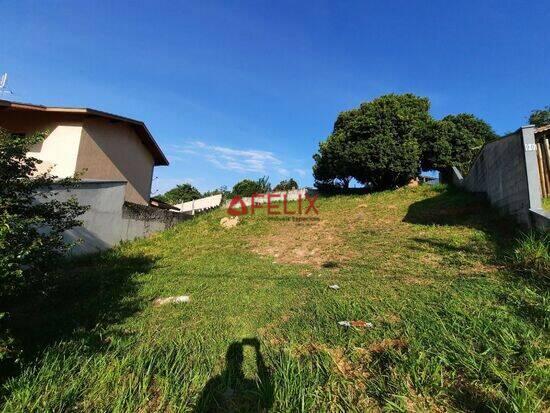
(244, 89)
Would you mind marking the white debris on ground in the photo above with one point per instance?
(358, 323)
(171, 300)
(334, 286)
(229, 222)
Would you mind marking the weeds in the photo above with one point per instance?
(531, 254)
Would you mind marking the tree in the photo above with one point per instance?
(222, 190)
(286, 185)
(540, 117)
(455, 140)
(375, 143)
(334, 162)
(32, 223)
(248, 187)
(181, 193)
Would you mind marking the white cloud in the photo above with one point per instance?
(301, 172)
(240, 160)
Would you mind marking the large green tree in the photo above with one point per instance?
(455, 140)
(375, 143)
(540, 117)
(181, 193)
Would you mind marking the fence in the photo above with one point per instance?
(199, 205)
(109, 219)
(506, 172)
(542, 140)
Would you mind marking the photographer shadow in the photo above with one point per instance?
(231, 391)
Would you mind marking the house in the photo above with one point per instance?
(99, 145)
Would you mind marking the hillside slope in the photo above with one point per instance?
(452, 327)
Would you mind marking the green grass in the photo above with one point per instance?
(546, 203)
(531, 255)
(454, 328)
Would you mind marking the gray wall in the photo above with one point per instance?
(506, 172)
(109, 219)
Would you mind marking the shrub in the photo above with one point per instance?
(540, 117)
(532, 254)
(248, 187)
(31, 232)
(181, 193)
(286, 185)
(222, 190)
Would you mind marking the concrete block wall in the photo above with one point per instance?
(110, 219)
(506, 172)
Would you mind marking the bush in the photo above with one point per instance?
(222, 190)
(31, 233)
(181, 193)
(286, 185)
(532, 254)
(248, 187)
(540, 117)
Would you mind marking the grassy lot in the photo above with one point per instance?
(453, 328)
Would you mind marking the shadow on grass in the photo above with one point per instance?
(453, 207)
(231, 391)
(89, 294)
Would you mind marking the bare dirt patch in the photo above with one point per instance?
(314, 243)
(386, 344)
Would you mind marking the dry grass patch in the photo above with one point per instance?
(314, 243)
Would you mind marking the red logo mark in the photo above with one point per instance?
(232, 210)
(273, 208)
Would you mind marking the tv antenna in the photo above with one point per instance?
(3, 85)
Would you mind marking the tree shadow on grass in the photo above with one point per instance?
(88, 294)
(231, 391)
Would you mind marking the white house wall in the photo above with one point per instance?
(59, 150)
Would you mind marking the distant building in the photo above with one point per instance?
(100, 145)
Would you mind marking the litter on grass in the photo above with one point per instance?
(358, 324)
(171, 300)
(334, 286)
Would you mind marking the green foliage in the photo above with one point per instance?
(383, 143)
(181, 193)
(248, 187)
(531, 254)
(453, 141)
(375, 143)
(222, 190)
(31, 238)
(286, 185)
(31, 232)
(333, 162)
(540, 117)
